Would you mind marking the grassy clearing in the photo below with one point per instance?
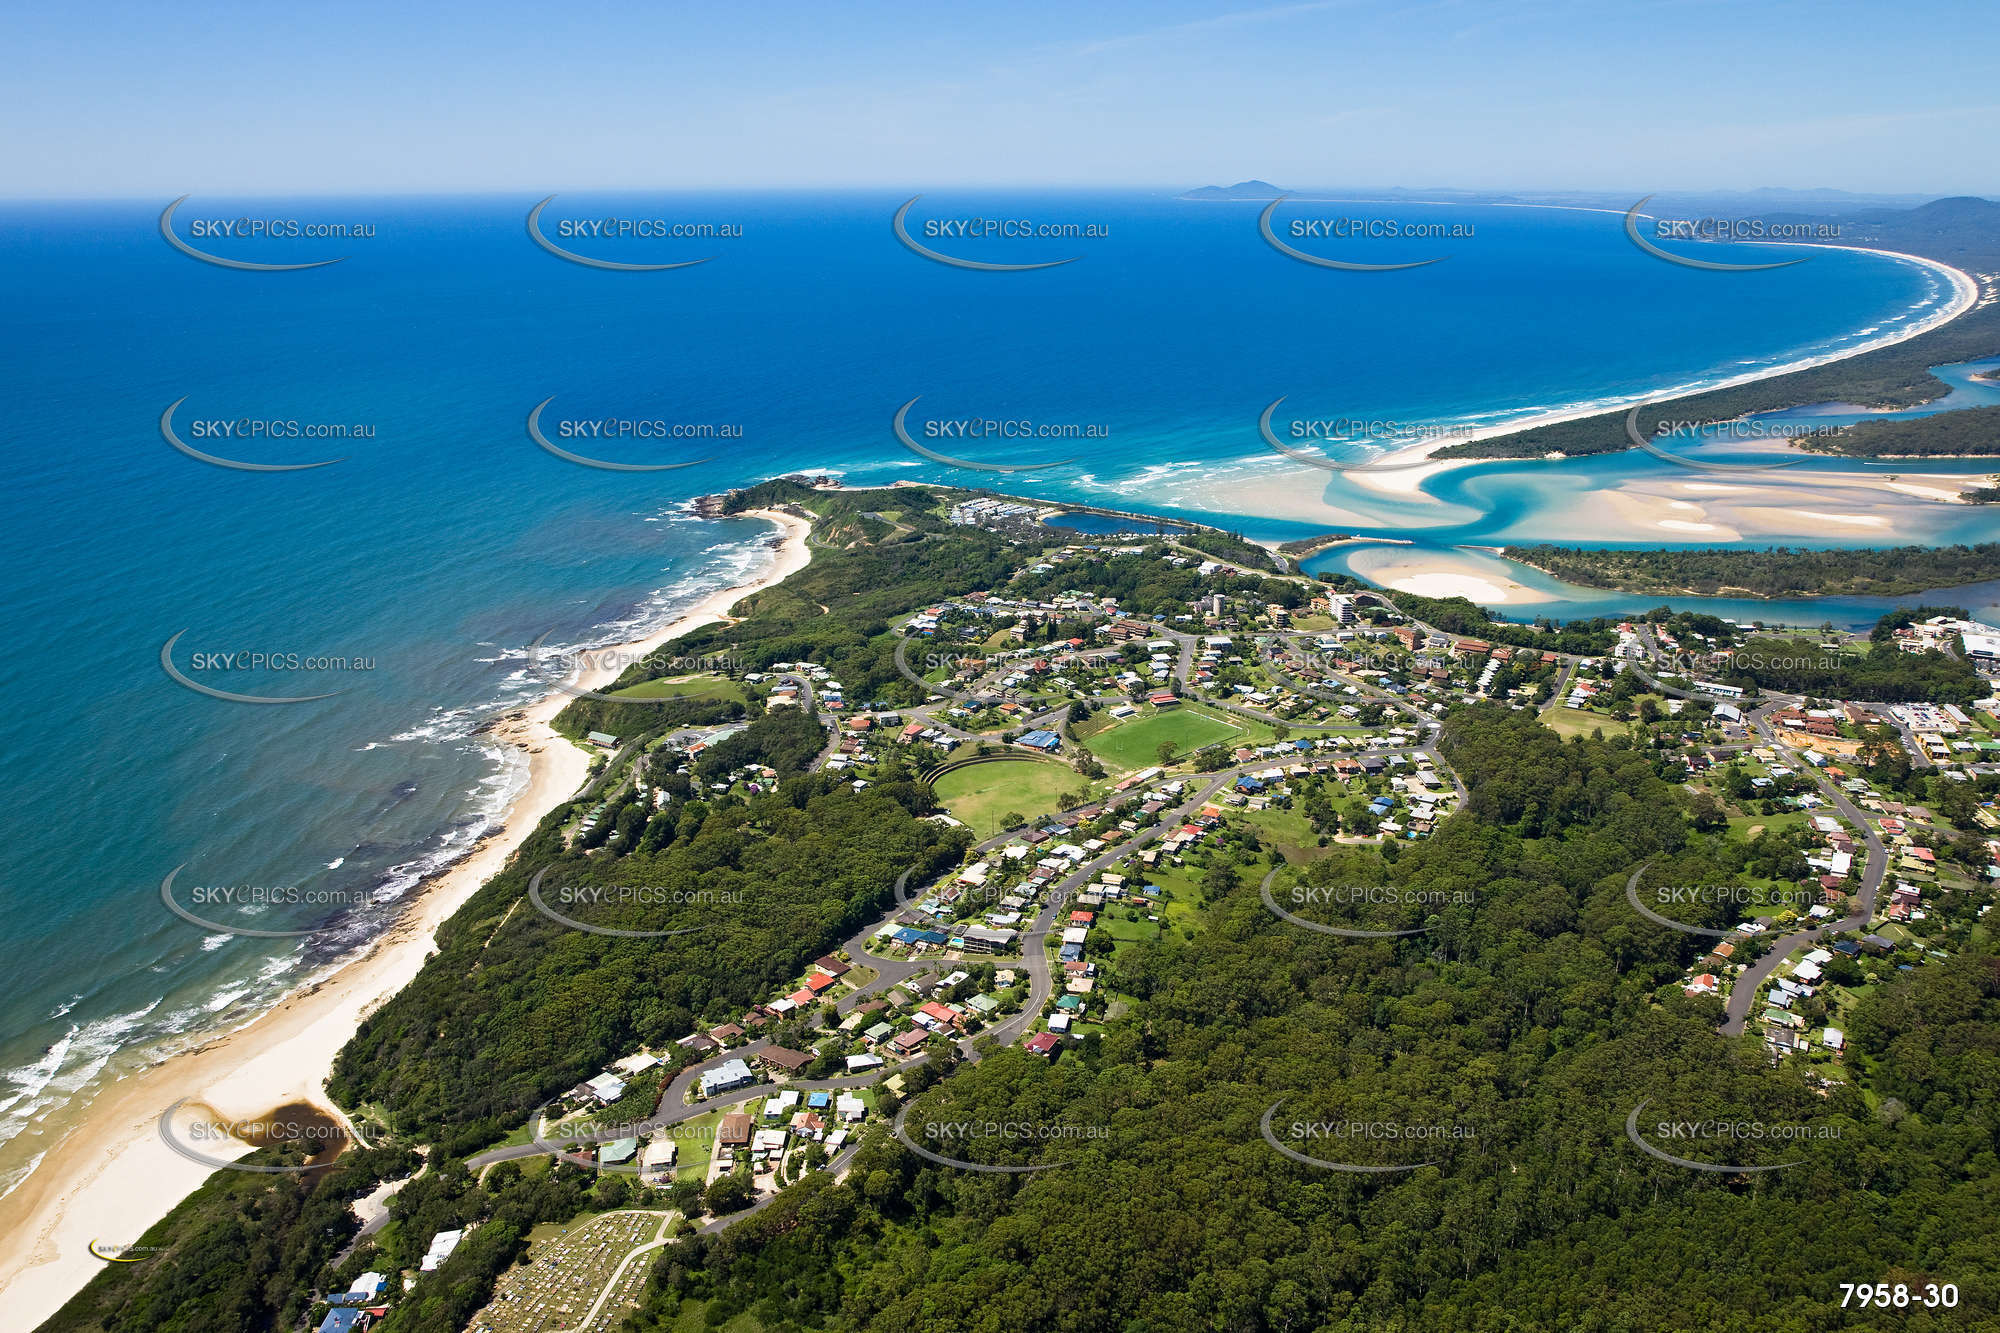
(1576, 722)
(1288, 830)
(981, 794)
(693, 1318)
(696, 1140)
(1128, 932)
(1740, 825)
(684, 687)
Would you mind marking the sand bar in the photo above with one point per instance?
(1278, 492)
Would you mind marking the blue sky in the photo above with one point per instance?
(145, 100)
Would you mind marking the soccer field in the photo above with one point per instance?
(1135, 744)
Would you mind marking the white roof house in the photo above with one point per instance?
(729, 1074)
(442, 1245)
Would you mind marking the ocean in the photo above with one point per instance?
(446, 540)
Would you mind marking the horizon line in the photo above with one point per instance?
(1344, 193)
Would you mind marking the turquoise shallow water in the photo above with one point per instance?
(1569, 601)
(446, 541)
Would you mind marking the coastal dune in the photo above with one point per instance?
(112, 1176)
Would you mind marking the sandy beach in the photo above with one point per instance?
(111, 1177)
(1300, 493)
(1461, 572)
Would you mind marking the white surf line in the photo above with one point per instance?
(1965, 295)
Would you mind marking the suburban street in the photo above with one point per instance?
(1743, 995)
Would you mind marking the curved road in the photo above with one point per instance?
(1744, 993)
(673, 1108)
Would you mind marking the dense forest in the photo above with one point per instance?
(1780, 571)
(1528, 1024)
(1232, 546)
(1457, 615)
(515, 1007)
(1957, 231)
(1966, 431)
(1882, 674)
(244, 1252)
(785, 740)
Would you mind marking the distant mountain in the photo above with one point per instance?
(1257, 190)
(1815, 199)
(1960, 230)
(1677, 203)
